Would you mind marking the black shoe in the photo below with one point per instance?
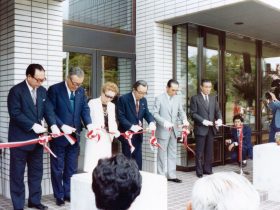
(67, 199)
(37, 206)
(208, 173)
(199, 175)
(59, 202)
(175, 180)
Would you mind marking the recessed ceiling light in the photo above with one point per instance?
(238, 23)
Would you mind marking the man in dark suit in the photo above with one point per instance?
(69, 104)
(205, 112)
(26, 109)
(132, 109)
(233, 143)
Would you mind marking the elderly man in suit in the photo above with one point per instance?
(207, 117)
(168, 113)
(69, 104)
(132, 109)
(26, 102)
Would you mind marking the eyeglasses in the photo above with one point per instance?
(141, 93)
(110, 97)
(39, 80)
(76, 84)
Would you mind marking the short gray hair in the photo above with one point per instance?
(76, 71)
(224, 191)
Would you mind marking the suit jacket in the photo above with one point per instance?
(246, 137)
(127, 115)
(96, 113)
(23, 113)
(164, 111)
(275, 107)
(200, 112)
(59, 103)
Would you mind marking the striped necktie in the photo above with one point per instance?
(72, 101)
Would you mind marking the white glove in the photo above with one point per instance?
(67, 129)
(186, 123)
(207, 123)
(167, 124)
(152, 126)
(90, 127)
(55, 130)
(135, 128)
(37, 128)
(219, 122)
(116, 133)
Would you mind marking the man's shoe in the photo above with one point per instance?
(199, 175)
(175, 180)
(59, 202)
(67, 199)
(208, 173)
(37, 206)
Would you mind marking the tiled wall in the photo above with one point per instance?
(31, 32)
(154, 47)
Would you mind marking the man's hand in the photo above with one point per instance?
(186, 123)
(136, 128)
(228, 141)
(230, 147)
(116, 133)
(90, 127)
(207, 123)
(219, 122)
(67, 129)
(168, 125)
(37, 128)
(55, 130)
(152, 126)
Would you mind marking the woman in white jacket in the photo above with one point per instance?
(103, 115)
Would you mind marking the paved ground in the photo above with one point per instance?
(178, 194)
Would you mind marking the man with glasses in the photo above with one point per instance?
(26, 102)
(169, 113)
(132, 109)
(69, 105)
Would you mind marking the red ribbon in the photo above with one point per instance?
(93, 134)
(185, 133)
(240, 129)
(154, 142)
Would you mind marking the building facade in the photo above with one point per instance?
(234, 43)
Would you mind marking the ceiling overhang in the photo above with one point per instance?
(260, 20)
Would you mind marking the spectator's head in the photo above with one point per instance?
(140, 89)
(206, 86)
(35, 75)
(116, 182)
(172, 87)
(75, 78)
(238, 120)
(109, 91)
(224, 191)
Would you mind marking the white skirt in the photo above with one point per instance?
(95, 150)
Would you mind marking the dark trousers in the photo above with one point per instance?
(272, 131)
(204, 153)
(245, 153)
(62, 168)
(137, 154)
(18, 160)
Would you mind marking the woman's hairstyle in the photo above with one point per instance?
(110, 86)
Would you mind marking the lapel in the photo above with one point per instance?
(202, 101)
(65, 96)
(100, 114)
(27, 96)
(132, 104)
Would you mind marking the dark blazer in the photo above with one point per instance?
(23, 113)
(127, 112)
(247, 144)
(60, 105)
(200, 112)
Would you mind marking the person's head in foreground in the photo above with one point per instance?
(116, 182)
(224, 191)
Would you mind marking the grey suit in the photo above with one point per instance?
(171, 111)
(204, 135)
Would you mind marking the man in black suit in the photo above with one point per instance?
(132, 109)
(207, 117)
(26, 102)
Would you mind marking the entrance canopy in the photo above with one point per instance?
(254, 18)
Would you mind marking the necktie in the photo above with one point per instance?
(34, 97)
(72, 101)
(137, 106)
(206, 101)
